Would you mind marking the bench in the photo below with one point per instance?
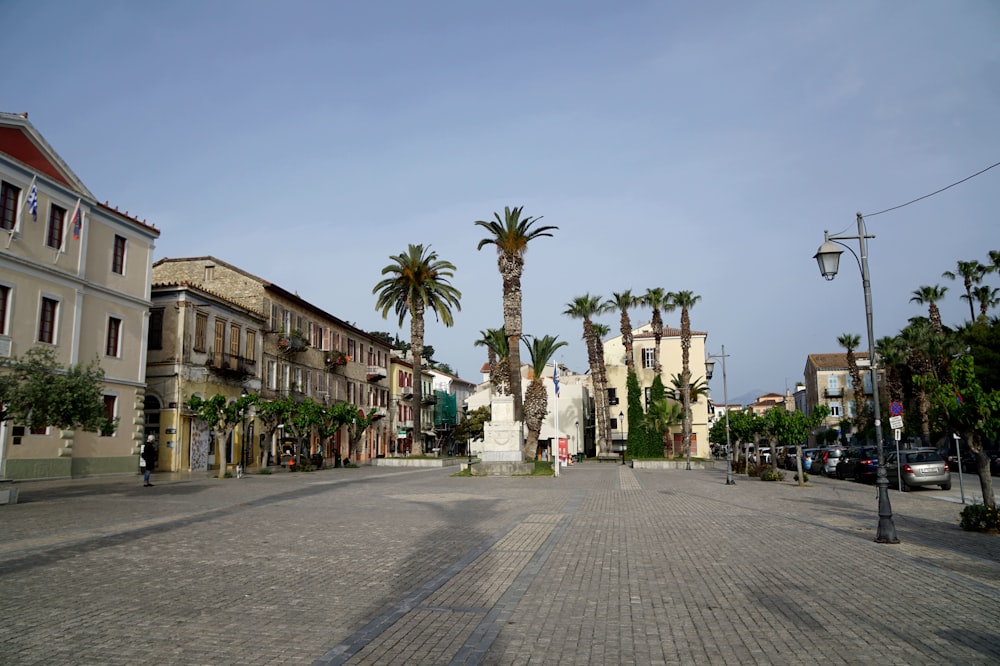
(601, 457)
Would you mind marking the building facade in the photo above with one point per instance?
(74, 278)
(305, 352)
(828, 382)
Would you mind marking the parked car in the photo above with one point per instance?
(859, 463)
(920, 467)
(825, 461)
(787, 460)
(809, 457)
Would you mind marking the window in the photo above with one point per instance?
(350, 349)
(114, 336)
(275, 317)
(272, 375)
(832, 382)
(648, 357)
(850, 410)
(234, 341)
(200, 328)
(154, 337)
(47, 320)
(118, 260)
(298, 380)
(220, 338)
(286, 377)
(9, 196)
(612, 396)
(57, 222)
(250, 350)
(646, 392)
(110, 413)
(4, 308)
(834, 409)
(286, 321)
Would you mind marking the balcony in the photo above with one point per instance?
(406, 393)
(231, 366)
(429, 399)
(833, 393)
(406, 425)
(612, 401)
(380, 413)
(292, 343)
(335, 359)
(376, 372)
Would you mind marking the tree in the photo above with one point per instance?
(850, 342)
(303, 418)
(37, 392)
(222, 414)
(657, 299)
(271, 414)
(963, 406)
(971, 273)
(584, 308)
(536, 398)
(638, 441)
(685, 300)
(418, 282)
(931, 296)
(472, 426)
(622, 302)
(987, 297)
(355, 419)
(511, 236)
(698, 388)
(495, 340)
(661, 416)
(791, 429)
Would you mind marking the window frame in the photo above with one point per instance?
(200, 331)
(10, 197)
(154, 335)
(56, 226)
(5, 302)
(48, 320)
(113, 342)
(118, 254)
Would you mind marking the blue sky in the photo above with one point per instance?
(690, 146)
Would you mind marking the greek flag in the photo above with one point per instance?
(76, 221)
(32, 200)
(555, 377)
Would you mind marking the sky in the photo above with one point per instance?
(689, 146)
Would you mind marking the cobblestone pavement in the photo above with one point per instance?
(603, 565)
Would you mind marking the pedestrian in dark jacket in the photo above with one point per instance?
(148, 456)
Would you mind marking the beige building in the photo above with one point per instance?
(410, 436)
(75, 278)
(305, 352)
(828, 382)
(644, 352)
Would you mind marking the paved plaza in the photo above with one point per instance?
(603, 565)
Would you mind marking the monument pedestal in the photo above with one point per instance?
(503, 442)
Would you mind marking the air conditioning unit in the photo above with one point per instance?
(5, 347)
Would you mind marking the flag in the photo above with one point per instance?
(32, 200)
(555, 377)
(76, 221)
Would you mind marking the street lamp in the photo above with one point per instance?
(828, 258)
(621, 429)
(709, 368)
(579, 442)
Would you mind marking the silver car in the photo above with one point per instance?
(825, 461)
(922, 467)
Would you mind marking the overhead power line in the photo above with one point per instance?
(935, 192)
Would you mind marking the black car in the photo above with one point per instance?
(859, 463)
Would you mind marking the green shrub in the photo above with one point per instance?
(768, 473)
(980, 518)
(805, 477)
(752, 469)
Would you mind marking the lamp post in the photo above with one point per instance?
(243, 434)
(621, 429)
(579, 443)
(828, 258)
(709, 368)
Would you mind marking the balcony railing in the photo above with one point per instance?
(406, 392)
(429, 399)
(380, 413)
(408, 425)
(227, 364)
(834, 393)
(376, 372)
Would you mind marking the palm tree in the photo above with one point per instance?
(660, 417)
(601, 331)
(511, 235)
(584, 308)
(892, 357)
(916, 341)
(622, 301)
(685, 300)
(987, 296)
(657, 299)
(536, 398)
(495, 341)
(698, 388)
(971, 273)
(850, 342)
(418, 282)
(930, 296)
(994, 265)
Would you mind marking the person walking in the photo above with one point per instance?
(147, 459)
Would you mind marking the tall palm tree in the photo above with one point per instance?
(511, 236)
(987, 296)
(892, 357)
(623, 301)
(930, 296)
(685, 300)
(971, 273)
(698, 388)
(584, 308)
(850, 342)
(601, 331)
(916, 341)
(418, 282)
(994, 265)
(656, 299)
(495, 341)
(536, 398)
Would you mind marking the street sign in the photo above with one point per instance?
(896, 408)
(897, 434)
(896, 422)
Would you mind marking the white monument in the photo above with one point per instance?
(503, 442)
